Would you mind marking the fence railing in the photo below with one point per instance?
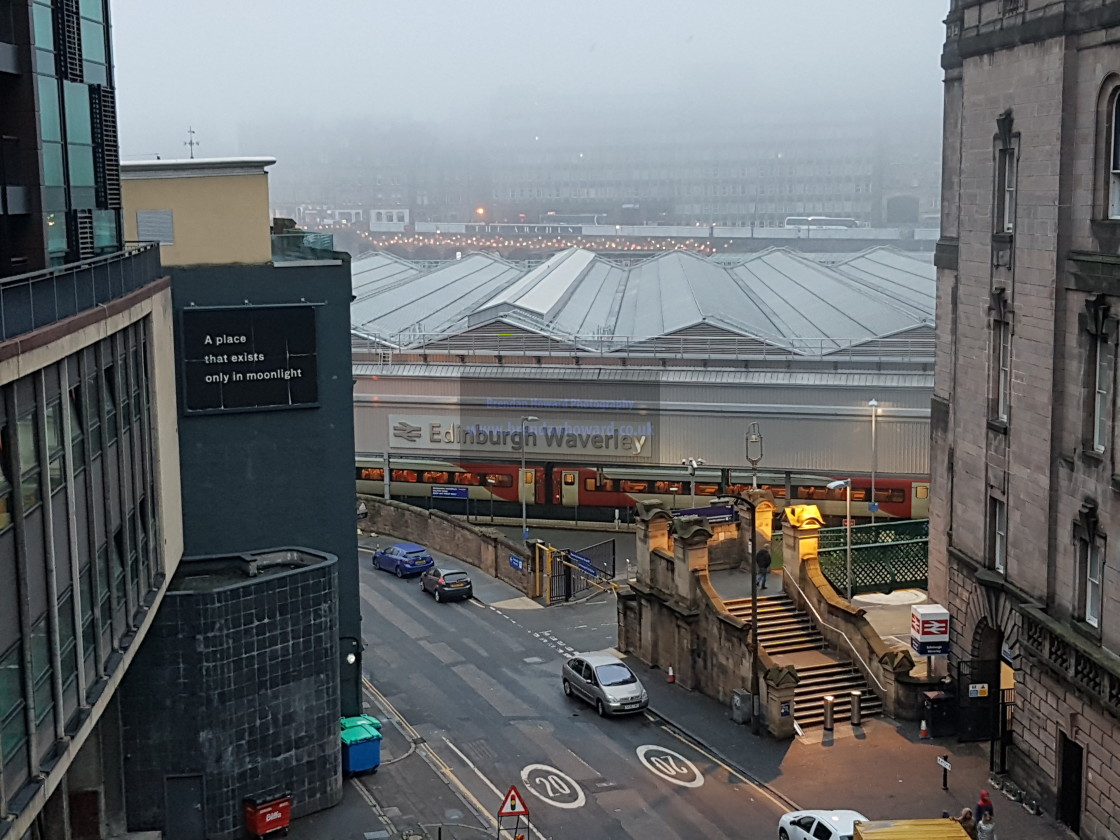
(31, 301)
(907, 351)
(886, 556)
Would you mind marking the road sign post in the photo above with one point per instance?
(513, 808)
(943, 763)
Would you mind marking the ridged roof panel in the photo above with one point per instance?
(777, 296)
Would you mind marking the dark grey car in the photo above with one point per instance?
(604, 681)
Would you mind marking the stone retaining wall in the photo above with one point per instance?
(484, 548)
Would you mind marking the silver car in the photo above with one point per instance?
(604, 681)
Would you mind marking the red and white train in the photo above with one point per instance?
(564, 491)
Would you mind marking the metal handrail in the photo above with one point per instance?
(844, 635)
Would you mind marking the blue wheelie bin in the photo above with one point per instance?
(361, 749)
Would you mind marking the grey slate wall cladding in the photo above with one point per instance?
(241, 687)
(262, 478)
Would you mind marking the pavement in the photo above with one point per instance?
(883, 769)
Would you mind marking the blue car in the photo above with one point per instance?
(403, 559)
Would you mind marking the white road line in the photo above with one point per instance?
(497, 793)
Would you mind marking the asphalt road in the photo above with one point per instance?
(475, 688)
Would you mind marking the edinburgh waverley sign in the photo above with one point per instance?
(604, 436)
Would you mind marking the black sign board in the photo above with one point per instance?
(245, 358)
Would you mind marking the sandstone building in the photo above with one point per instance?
(1024, 427)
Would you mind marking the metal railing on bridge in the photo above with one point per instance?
(886, 556)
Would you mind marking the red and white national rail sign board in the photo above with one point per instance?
(929, 630)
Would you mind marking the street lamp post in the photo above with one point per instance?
(692, 464)
(521, 477)
(874, 405)
(846, 483)
(754, 455)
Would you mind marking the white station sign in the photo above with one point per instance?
(929, 630)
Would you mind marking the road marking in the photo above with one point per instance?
(783, 804)
(429, 755)
(553, 786)
(669, 765)
(486, 782)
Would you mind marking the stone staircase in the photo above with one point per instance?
(783, 631)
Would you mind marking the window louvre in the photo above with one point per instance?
(106, 158)
(68, 40)
(155, 226)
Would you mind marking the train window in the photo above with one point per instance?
(469, 478)
(667, 487)
(707, 489)
(371, 474)
(858, 494)
(810, 492)
(499, 480)
(635, 486)
(433, 477)
(569, 479)
(921, 491)
(589, 484)
(403, 475)
(776, 491)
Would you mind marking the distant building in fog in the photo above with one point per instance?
(753, 171)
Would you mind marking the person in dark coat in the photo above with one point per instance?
(762, 567)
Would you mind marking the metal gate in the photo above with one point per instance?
(998, 760)
(595, 560)
(566, 580)
(978, 699)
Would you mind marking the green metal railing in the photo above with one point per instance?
(885, 556)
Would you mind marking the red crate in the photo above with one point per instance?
(263, 817)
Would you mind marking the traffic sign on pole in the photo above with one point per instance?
(513, 805)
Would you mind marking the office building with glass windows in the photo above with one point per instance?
(59, 159)
(90, 519)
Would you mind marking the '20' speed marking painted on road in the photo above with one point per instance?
(552, 786)
(669, 765)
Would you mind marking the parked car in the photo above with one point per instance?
(403, 559)
(446, 583)
(819, 825)
(604, 681)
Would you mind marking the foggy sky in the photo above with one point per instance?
(225, 66)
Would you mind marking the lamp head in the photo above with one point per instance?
(530, 419)
(873, 403)
(836, 485)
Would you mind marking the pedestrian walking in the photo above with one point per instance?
(986, 830)
(968, 823)
(984, 806)
(762, 567)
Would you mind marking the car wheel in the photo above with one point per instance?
(438, 596)
(782, 835)
(567, 689)
(422, 587)
(600, 708)
(400, 574)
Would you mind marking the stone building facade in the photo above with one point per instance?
(1024, 459)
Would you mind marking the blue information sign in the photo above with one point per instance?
(517, 562)
(449, 492)
(873, 507)
(584, 563)
(929, 648)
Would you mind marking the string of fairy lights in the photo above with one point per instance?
(469, 242)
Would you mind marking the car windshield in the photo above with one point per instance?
(453, 576)
(614, 675)
(417, 554)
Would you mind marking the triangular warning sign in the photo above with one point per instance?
(513, 805)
